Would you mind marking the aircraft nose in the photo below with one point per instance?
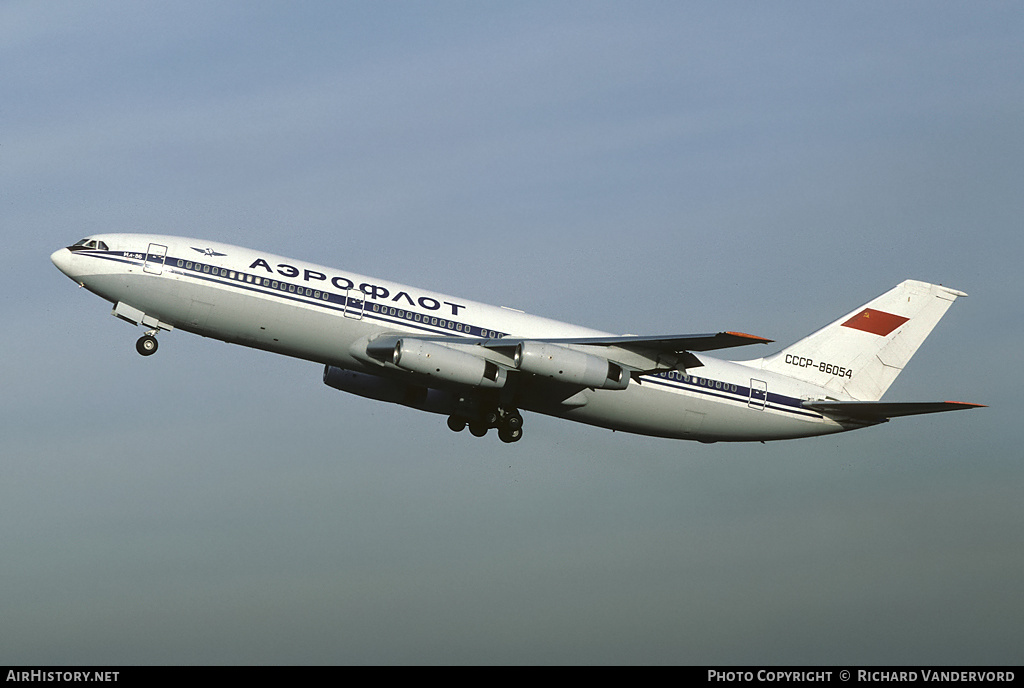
(62, 259)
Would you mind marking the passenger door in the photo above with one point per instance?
(758, 394)
(155, 257)
(354, 301)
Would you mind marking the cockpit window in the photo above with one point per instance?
(88, 243)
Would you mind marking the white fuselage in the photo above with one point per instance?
(326, 315)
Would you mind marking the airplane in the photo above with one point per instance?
(481, 365)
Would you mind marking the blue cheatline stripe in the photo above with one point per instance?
(741, 395)
(337, 303)
(334, 302)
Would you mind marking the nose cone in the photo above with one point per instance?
(62, 259)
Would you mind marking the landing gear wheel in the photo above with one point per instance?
(146, 345)
(510, 434)
(456, 424)
(511, 427)
(478, 428)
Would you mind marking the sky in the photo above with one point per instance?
(644, 167)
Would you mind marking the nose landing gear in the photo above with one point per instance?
(147, 344)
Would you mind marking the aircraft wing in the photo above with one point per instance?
(881, 411)
(606, 362)
(662, 344)
(641, 354)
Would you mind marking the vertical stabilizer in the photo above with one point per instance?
(861, 353)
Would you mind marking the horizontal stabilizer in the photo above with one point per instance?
(879, 411)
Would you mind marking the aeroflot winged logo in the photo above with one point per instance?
(875, 322)
(208, 251)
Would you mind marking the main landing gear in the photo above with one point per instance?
(508, 421)
(147, 344)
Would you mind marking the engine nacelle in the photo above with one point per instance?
(391, 391)
(568, 365)
(369, 386)
(447, 364)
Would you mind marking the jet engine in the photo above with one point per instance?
(441, 362)
(569, 365)
(391, 391)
